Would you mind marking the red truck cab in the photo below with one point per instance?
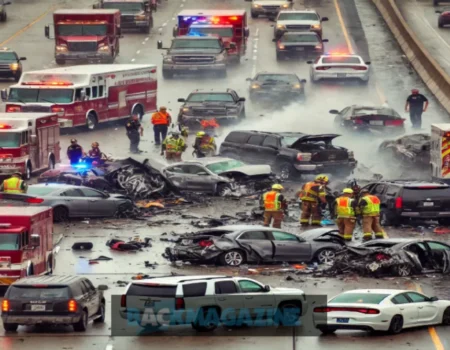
(26, 242)
(230, 25)
(86, 35)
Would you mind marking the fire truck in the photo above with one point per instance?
(86, 35)
(26, 241)
(230, 25)
(440, 152)
(86, 95)
(29, 142)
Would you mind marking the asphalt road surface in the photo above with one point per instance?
(355, 27)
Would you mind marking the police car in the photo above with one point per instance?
(10, 64)
(339, 66)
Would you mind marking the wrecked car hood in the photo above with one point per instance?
(251, 170)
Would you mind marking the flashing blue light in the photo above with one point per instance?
(81, 166)
(193, 33)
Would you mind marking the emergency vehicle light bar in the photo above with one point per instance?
(5, 126)
(212, 20)
(48, 83)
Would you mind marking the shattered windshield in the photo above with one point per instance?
(10, 140)
(124, 6)
(298, 17)
(82, 30)
(221, 167)
(223, 32)
(359, 298)
(196, 44)
(41, 95)
(210, 98)
(9, 241)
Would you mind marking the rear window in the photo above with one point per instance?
(359, 298)
(152, 291)
(237, 137)
(424, 193)
(344, 60)
(194, 290)
(40, 191)
(38, 293)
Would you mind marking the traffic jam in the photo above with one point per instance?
(178, 168)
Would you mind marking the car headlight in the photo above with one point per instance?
(297, 86)
(167, 59)
(256, 5)
(61, 48)
(316, 26)
(104, 48)
(285, 6)
(255, 86)
(281, 26)
(14, 66)
(140, 18)
(318, 47)
(185, 110)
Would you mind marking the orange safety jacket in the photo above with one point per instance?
(159, 118)
(271, 201)
(13, 185)
(312, 192)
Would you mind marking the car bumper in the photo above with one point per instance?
(194, 68)
(340, 75)
(65, 123)
(131, 25)
(32, 320)
(326, 168)
(375, 322)
(9, 169)
(425, 215)
(266, 12)
(195, 120)
(84, 56)
(9, 74)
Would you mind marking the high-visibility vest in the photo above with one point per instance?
(311, 192)
(207, 142)
(13, 185)
(174, 145)
(344, 208)
(372, 207)
(271, 201)
(160, 118)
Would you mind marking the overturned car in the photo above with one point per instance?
(397, 257)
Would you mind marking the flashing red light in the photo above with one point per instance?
(398, 203)
(34, 200)
(5, 305)
(215, 20)
(123, 300)
(10, 109)
(5, 127)
(359, 68)
(347, 309)
(205, 244)
(179, 304)
(49, 83)
(447, 134)
(299, 156)
(72, 305)
(233, 18)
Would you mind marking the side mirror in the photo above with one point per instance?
(309, 62)
(267, 288)
(324, 19)
(175, 31)
(181, 100)
(433, 299)
(246, 32)
(333, 111)
(241, 99)
(368, 62)
(303, 81)
(324, 40)
(160, 45)
(22, 59)
(35, 241)
(83, 95)
(4, 95)
(47, 32)
(33, 139)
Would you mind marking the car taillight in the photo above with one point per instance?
(358, 121)
(359, 68)
(179, 304)
(34, 200)
(13, 109)
(5, 305)
(397, 122)
(347, 309)
(205, 244)
(72, 305)
(123, 300)
(322, 68)
(304, 157)
(398, 203)
(318, 47)
(281, 46)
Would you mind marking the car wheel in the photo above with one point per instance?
(232, 258)
(223, 190)
(60, 214)
(288, 314)
(207, 321)
(101, 313)
(396, 325)
(326, 255)
(91, 121)
(10, 327)
(403, 270)
(446, 317)
(286, 171)
(81, 325)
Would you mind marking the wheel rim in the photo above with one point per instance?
(326, 256)
(233, 258)
(404, 270)
(90, 123)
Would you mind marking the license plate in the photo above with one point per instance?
(376, 122)
(194, 68)
(342, 320)
(428, 204)
(300, 49)
(342, 75)
(37, 307)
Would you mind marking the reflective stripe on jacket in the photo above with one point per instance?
(344, 207)
(372, 207)
(271, 201)
(159, 118)
(13, 185)
(174, 145)
(312, 192)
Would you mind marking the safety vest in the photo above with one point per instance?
(207, 142)
(271, 201)
(311, 192)
(372, 207)
(159, 118)
(13, 185)
(174, 145)
(344, 208)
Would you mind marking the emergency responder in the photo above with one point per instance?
(369, 209)
(14, 184)
(134, 133)
(94, 153)
(313, 196)
(184, 132)
(174, 147)
(346, 214)
(274, 206)
(161, 121)
(74, 152)
(205, 145)
(416, 104)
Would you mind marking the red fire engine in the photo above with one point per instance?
(28, 142)
(230, 25)
(26, 242)
(86, 95)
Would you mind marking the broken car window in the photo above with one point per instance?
(400, 299)
(360, 298)
(283, 236)
(226, 287)
(254, 235)
(250, 287)
(416, 297)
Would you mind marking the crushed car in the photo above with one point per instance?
(410, 151)
(242, 244)
(393, 257)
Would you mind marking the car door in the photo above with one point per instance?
(85, 299)
(100, 204)
(93, 298)
(408, 310)
(198, 178)
(259, 241)
(228, 298)
(177, 176)
(428, 310)
(75, 201)
(289, 247)
(269, 149)
(439, 253)
(257, 300)
(253, 150)
(238, 104)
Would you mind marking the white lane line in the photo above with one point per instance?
(138, 52)
(173, 18)
(143, 43)
(133, 60)
(164, 24)
(255, 51)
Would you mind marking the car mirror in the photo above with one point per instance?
(309, 62)
(267, 288)
(4, 95)
(433, 299)
(241, 99)
(181, 100)
(303, 81)
(22, 59)
(324, 19)
(334, 111)
(325, 40)
(159, 45)
(367, 62)
(35, 241)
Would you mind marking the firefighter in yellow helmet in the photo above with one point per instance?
(274, 206)
(369, 209)
(14, 184)
(313, 195)
(174, 146)
(205, 145)
(345, 211)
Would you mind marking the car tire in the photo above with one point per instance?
(82, 324)
(60, 214)
(167, 74)
(91, 122)
(222, 190)
(101, 312)
(10, 327)
(213, 322)
(396, 325)
(403, 270)
(446, 317)
(440, 24)
(286, 171)
(325, 255)
(146, 30)
(293, 310)
(234, 257)
(60, 61)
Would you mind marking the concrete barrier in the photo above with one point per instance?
(437, 80)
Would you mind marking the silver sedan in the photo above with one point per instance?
(339, 66)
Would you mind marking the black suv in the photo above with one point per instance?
(70, 300)
(289, 153)
(10, 64)
(305, 44)
(224, 106)
(403, 201)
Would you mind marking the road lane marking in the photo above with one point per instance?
(28, 26)
(255, 51)
(380, 94)
(146, 39)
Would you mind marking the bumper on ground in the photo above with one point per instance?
(325, 168)
(194, 68)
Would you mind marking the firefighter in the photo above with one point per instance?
(134, 133)
(14, 184)
(345, 211)
(161, 121)
(369, 209)
(313, 196)
(205, 145)
(274, 206)
(174, 147)
(74, 152)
